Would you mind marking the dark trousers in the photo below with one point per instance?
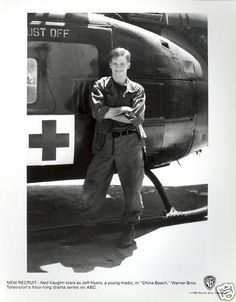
(122, 154)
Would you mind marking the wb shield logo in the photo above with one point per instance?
(209, 282)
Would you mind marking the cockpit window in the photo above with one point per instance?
(31, 81)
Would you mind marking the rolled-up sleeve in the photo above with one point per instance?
(138, 107)
(97, 102)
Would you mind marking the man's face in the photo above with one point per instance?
(119, 66)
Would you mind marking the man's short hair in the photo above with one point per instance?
(119, 51)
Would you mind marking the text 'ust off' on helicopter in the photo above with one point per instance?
(68, 52)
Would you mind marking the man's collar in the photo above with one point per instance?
(130, 86)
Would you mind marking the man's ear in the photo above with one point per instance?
(129, 65)
(110, 64)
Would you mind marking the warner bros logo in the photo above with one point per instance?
(209, 282)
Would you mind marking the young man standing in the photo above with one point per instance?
(118, 105)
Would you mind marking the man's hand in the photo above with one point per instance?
(125, 109)
(115, 111)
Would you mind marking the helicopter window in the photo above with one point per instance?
(62, 67)
(31, 81)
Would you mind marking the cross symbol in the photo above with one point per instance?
(49, 140)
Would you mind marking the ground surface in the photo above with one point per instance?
(58, 240)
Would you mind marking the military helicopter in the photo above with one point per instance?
(67, 53)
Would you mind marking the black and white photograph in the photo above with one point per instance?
(111, 93)
(118, 183)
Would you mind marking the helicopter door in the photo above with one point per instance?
(61, 72)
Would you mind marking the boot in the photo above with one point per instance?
(127, 238)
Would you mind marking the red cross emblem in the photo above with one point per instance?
(49, 140)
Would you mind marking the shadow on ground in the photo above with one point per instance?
(58, 240)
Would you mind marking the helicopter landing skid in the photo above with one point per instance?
(170, 210)
(173, 213)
